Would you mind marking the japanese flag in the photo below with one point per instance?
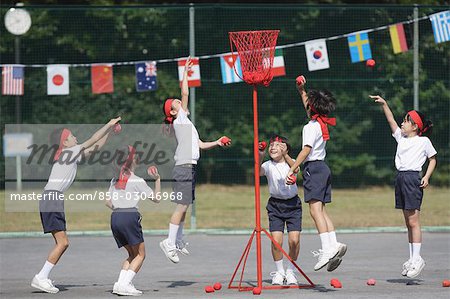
(57, 79)
(193, 73)
(317, 55)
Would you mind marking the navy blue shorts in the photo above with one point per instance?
(317, 181)
(126, 227)
(284, 212)
(408, 194)
(51, 210)
(184, 183)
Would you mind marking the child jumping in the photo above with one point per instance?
(317, 174)
(124, 194)
(284, 207)
(413, 150)
(184, 173)
(64, 170)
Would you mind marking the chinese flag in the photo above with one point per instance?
(102, 79)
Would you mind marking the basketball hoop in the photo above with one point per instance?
(256, 50)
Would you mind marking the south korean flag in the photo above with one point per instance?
(317, 55)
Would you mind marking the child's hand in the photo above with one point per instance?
(153, 172)
(283, 149)
(262, 146)
(224, 141)
(378, 99)
(188, 64)
(291, 178)
(301, 81)
(114, 121)
(424, 182)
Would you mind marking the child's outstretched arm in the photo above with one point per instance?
(185, 86)
(206, 145)
(99, 134)
(301, 81)
(387, 112)
(97, 146)
(430, 169)
(300, 158)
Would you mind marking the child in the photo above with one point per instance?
(66, 158)
(413, 150)
(317, 174)
(284, 207)
(184, 173)
(125, 192)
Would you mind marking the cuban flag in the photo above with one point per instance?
(359, 47)
(441, 26)
(317, 55)
(227, 64)
(12, 80)
(146, 76)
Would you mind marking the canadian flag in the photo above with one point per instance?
(193, 73)
(57, 79)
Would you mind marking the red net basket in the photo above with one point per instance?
(256, 50)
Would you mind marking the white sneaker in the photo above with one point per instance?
(277, 278)
(324, 257)
(416, 267)
(132, 285)
(342, 249)
(169, 250)
(127, 290)
(45, 285)
(115, 288)
(406, 267)
(181, 247)
(291, 278)
(334, 263)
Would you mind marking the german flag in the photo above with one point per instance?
(398, 38)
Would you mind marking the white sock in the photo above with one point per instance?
(279, 265)
(290, 267)
(45, 271)
(416, 250)
(180, 231)
(122, 276)
(129, 275)
(173, 230)
(410, 251)
(333, 239)
(325, 240)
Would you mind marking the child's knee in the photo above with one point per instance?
(294, 242)
(64, 244)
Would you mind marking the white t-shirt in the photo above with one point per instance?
(135, 190)
(412, 152)
(64, 170)
(276, 174)
(188, 150)
(312, 136)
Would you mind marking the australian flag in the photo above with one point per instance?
(146, 76)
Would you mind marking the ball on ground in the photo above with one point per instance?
(446, 283)
(217, 286)
(209, 289)
(257, 291)
(371, 282)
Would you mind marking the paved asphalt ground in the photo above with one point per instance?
(91, 264)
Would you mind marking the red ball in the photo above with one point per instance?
(152, 170)
(335, 283)
(117, 128)
(371, 282)
(300, 80)
(256, 291)
(446, 283)
(217, 286)
(262, 145)
(209, 289)
(370, 63)
(225, 140)
(292, 179)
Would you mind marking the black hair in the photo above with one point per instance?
(283, 139)
(322, 101)
(427, 124)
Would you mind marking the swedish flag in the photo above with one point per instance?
(359, 46)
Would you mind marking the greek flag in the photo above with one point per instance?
(441, 26)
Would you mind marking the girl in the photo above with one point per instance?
(68, 153)
(413, 150)
(125, 192)
(284, 207)
(317, 174)
(184, 173)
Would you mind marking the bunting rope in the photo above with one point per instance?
(159, 61)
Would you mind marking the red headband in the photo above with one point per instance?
(323, 120)
(64, 135)
(416, 119)
(277, 139)
(124, 174)
(167, 109)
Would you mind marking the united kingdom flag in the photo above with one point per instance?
(146, 76)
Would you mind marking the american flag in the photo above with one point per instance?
(12, 80)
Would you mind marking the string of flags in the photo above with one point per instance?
(146, 71)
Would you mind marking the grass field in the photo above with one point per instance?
(232, 207)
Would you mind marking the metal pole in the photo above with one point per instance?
(18, 118)
(192, 91)
(416, 58)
